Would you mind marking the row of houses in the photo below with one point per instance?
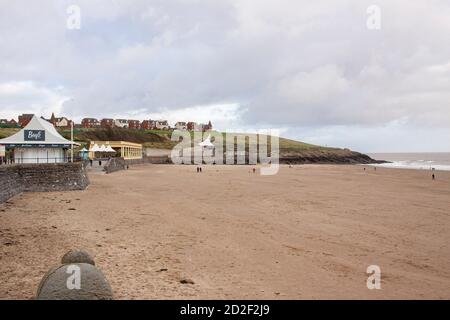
(24, 119)
(144, 125)
(6, 122)
(65, 123)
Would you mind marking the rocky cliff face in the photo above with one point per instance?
(332, 156)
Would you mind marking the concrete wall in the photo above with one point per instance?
(16, 179)
(154, 160)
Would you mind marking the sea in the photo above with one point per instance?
(420, 161)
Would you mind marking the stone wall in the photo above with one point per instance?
(115, 164)
(10, 182)
(15, 179)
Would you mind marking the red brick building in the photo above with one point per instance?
(134, 124)
(146, 125)
(90, 123)
(107, 123)
(25, 118)
(191, 126)
(208, 127)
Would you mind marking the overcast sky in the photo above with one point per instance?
(312, 69)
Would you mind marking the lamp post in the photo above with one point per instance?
(71, 138)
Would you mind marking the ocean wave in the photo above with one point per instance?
(417, 164)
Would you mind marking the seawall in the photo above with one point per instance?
(16, 179)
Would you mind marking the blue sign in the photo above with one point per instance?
(34, 135)
(24, 145)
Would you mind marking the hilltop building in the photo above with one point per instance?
(192, 126)
(146, 125)
(121, 123)
(162, 125)
(25, 118)
(90, 123)
(134, 124)
(181, 125)
(61, 122)
(107, 123)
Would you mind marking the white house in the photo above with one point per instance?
(121, 123)
(181, 125)
(62, 122)
(162, 125)
(38, 142)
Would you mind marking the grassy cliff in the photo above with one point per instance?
(291, 151)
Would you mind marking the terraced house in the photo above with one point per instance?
(90, 123)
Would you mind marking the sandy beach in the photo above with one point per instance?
(308, 232)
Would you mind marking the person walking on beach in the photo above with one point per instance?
(433, 177)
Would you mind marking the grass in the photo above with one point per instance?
(160, 139)
(6, 132)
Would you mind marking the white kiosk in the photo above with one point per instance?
(38, 142)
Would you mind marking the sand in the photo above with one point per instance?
(308, 232)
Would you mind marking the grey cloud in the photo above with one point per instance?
(286, 63)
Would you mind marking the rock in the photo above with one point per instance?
(77, 256)
(55, 285)
(186, 281)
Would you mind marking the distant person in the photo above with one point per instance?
(433, 176)
(201, 169)
(375, 168)
(254, 170)
(91, 162)
(100, 163)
